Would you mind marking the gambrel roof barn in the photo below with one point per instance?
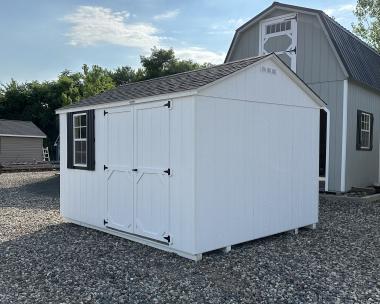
(338, 66)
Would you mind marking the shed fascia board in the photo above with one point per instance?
(29, 136)
(302, 85)
(261, 16)
(107, 105)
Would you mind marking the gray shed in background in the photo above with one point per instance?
(20, 141)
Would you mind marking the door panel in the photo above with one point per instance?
(152, 159)
(119, 175)
(120, 200)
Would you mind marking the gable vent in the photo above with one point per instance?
(268, 70)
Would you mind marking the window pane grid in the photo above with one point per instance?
(80, 139)
(278, 27)
(365, 130)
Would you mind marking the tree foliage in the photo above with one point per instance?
(37, 101)
(368, 25)
(163, 62)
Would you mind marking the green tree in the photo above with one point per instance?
(368, 25)
(70, 86)
(37, 101)
(163, 62)
(96, 80)
(124, 74)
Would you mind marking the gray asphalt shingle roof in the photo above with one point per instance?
(20, 128)
(168, 84)
(361, 61)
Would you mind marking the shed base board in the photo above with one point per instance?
(141, 240)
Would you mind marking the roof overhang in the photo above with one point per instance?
(106, 105)
(188, 93)
(27, 136)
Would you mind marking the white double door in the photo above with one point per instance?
(136, 171)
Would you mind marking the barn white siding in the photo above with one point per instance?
(243, 154)
(257, 156)
(83, 193)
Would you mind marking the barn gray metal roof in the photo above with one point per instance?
(19, 128)
(361, 61)
(168, 84)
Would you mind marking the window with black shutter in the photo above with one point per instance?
(81, 140)
(364, 131)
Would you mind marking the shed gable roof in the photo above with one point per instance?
(19, 128)
(168, 84)
(361, 61)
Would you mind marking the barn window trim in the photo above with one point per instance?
(278, 27)
(364, 135)
(80, 138)
(87, 134)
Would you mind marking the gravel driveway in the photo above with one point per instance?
(43, 260)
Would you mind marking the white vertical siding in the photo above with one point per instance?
(83, 193)
(256, 159)
(244, 161)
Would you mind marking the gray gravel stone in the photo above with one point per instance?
(43, 260)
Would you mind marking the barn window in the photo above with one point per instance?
(364, 130)
(278, 27)
(81, 140)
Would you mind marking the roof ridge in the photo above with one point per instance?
(192, 71)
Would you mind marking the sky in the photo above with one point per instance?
(41, 38)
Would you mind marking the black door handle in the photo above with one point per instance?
(134, 170)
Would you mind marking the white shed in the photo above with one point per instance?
(195, 161)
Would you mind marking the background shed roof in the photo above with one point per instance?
(20, 128)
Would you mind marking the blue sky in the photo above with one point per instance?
(41, 38)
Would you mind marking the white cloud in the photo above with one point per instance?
(227, 27)
(167, 15)
(342, 13)
(200, 55)
(91, 25)
(236, 22)
(344, 8)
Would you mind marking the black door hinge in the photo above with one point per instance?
(293, 50)
(105, 112)
(167, 171)
(167, 238)
(168, 104)
(105, 167)
(105, 222)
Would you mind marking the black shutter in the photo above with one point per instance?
(90, 140)
(70, 150)
(358, 129)
(371, 134)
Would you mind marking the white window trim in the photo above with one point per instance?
(79, 139)
(368, 116)
(293, 29)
